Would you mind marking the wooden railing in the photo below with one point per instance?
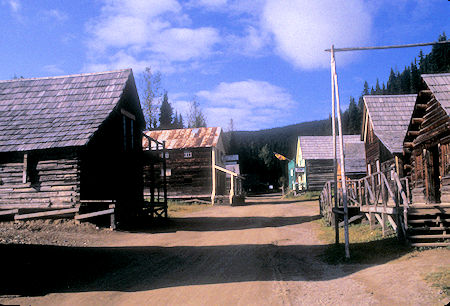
(374, 193)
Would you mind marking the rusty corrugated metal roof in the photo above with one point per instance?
(186, 138)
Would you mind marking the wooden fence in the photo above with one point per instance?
(379, 195)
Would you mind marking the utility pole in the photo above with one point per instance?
(335, 95)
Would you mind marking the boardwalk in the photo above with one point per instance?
(261, 254)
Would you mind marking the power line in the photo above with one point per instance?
(389, 47)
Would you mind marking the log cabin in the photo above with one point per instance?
(69, 140)
(314, 160)
(189, 154)
(427, 142)
(427, 163)
(385, 121)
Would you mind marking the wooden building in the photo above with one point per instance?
(385, 121)
(70, 145)
(428, 142)
(189, 161)
(314, 160)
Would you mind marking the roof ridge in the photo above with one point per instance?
(394, 95)
(67, 76)
(435, 74)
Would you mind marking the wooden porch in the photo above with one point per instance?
(385, 199)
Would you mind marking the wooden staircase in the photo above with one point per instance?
(429, 225)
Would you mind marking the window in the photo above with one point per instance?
(187, 154)
(168, 172)
(128, 130)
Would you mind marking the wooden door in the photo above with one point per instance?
(433, 178)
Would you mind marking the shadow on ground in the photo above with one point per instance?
(201, 224)
(35, 270)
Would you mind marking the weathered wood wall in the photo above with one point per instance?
(430, 161)
(191, 176)
(318, 172)
(52, 179)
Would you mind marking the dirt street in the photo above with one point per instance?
(265, 253)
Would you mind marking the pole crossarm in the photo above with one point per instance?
(388, 47)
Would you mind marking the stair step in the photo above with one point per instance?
(429, 228)
(426, 206)
(430, 244)
(443, 236)
(427, 212)
(427, 220)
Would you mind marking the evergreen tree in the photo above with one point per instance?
(377, 88)
(175, 123)
(165, 113)
(180, 122)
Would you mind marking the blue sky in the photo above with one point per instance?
(259, 62)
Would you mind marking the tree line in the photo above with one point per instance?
(406, 82)
(158, 111)
(255, 148)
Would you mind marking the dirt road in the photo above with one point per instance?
(261, 254)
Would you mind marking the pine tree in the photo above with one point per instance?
(175, 123)
(165, 113)
(377, 88)
(180, 122)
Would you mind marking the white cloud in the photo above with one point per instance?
(139, 32)
(182, 44)
(251, 104)
(14, 5)
(55, 14)
(302, 29)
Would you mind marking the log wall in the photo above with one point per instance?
(52, 179)
(430, 154)
(191, 176)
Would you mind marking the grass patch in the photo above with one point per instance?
(179, 208)
(366, 245)
(440, 279)
(306, 196)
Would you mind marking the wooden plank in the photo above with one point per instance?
(97, 201)
(392, 222)
(337, 211)
(430, 244)
(354, 218)
(8, 212)
(94, 214)
(378, 209)
(46, 213)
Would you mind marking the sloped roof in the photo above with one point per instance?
(321, 147)
(54, 112)
(186, 138)
(439, 84)
(390, 116)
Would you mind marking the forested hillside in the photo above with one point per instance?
(255, 148)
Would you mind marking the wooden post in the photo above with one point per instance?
(213, 170)
(25, 168)
(342, 160)
(333, 129)
(383, 224)
(165, 179)
(231, 188)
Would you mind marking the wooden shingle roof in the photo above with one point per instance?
(54, 112)
(390, 116)
(321, 147)
(439, 84)
(186, 138)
